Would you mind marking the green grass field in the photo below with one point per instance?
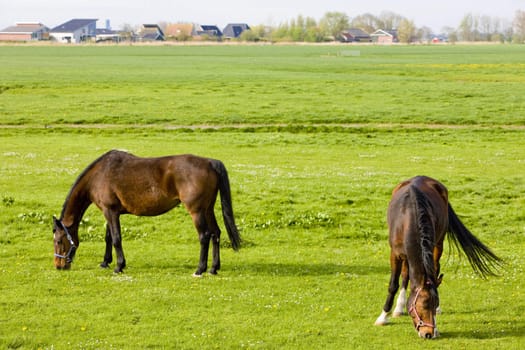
(314, 138)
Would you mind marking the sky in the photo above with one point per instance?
(435, 14)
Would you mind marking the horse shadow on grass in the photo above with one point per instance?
(500, 326)
(307, 269)
(517, 331)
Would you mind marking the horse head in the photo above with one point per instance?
(423, 303)
(65, 247)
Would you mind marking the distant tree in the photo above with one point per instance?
(507, 30)
(249, 35)
(367, 22)
(127, 31)
(281, 32)
(312, 31)
(406, 31)
(424, 34)
(261, 32)
(300, 29)
(468, 28)
(519, 27)
(389, 20)
(451, 33)
(296, 32)
(487, 27)
(333, 23)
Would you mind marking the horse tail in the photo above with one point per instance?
(480, 257)
(226, 203)
(426, 231)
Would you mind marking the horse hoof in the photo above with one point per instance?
(104, 265)
(397, 314)
(380, 322)
(197, 275)
(382, 319)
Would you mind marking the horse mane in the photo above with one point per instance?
(426, 231)
(80, 177)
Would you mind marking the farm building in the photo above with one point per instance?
(381, 36)
(105, 34)
(209, 30)
(234, 30)
(150, 32)
(75, 31)
(25, 32)
(179, 31)
(355, 35)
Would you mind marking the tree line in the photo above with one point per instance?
(329, 27)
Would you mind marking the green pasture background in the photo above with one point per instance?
(314, 138)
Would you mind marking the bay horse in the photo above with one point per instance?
(419, 216)
(121, 183)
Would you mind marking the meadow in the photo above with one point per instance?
(314, 138)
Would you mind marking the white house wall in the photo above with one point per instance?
(75, 36)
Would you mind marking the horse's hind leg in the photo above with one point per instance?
(199, 220)
(395, 266)
(108, 257)
(215, 239)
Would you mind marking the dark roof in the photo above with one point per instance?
(233, 30)
(73, 25)
(356, 32)
(104, 31)
(152, 36)
(210, 30)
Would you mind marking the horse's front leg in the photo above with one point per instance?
(108, 257)
(402, 297)
(395, 266)
(113, 221)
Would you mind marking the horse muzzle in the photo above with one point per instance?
(63, 261)
(62, 264)
(428, 332)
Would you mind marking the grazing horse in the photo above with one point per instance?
(419, 215)
(121, 183)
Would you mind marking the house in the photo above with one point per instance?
(355, 35)
(25, 32)
(179, 31)
(440, 38)
(105, 34)
(211, 31)
(150, 32)
(75, 31)
(381, 36)
(234, 30)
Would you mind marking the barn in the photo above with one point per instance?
(25, 32)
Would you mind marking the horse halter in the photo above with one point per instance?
(412, 310)
(72, 248)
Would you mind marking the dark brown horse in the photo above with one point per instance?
(121, 183)
(419, 216)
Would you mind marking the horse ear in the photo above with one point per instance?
(439, 280)
(56, 222)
